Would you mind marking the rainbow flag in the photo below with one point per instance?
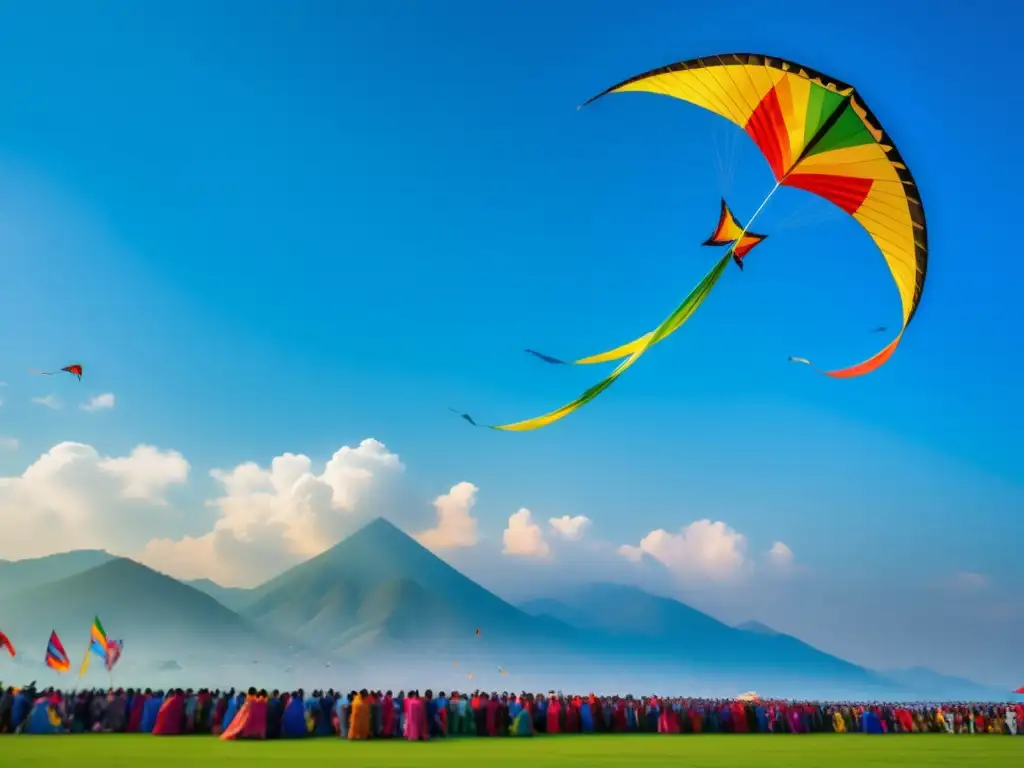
(98, 639)
(56, 656)
(97, 645)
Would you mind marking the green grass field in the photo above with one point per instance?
(821, 751)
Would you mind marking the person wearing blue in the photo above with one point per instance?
(274, 711)
(235, 702)
(149, 712)
(586, 717)
(870, 723)
(325, 720)
(293, 721)
(21, 708)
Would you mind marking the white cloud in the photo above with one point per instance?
(270, 518)
(71, 497)
(8, 443)
(456, 526)
(102, 402)
(146, 472)
(571, 528)
(523, 537)
(50, 401)
(780, 556)
(702, 550)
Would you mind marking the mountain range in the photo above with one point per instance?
(379, 606)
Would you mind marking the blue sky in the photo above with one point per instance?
(281, 227)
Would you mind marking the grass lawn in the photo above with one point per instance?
(819, 751)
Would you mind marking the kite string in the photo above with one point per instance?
(757, 213)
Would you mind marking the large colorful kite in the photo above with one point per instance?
(817, 134)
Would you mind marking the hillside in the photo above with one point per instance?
(19, 575)
(624, 620)
(757, 628)
(379, 590)
(621, 610)
(233, 598)
(157, 616)
(929, 685)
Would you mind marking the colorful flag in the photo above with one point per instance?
(98, 639)
(114, 648)
(56, 656)
(5, 643)
(97, 645)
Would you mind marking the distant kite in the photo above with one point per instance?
(502, 671)
(1020, 691)
(478, 631)
(5, 644)
(74, 370)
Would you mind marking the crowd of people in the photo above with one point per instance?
(257, 714)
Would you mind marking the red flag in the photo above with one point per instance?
(5, 643)
(56, 656)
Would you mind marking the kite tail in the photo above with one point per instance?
(41, 373)
(630, 348)
(873, 363)
(681, 314)
(546, 358)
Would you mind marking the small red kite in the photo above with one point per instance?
(74, 370)
(5, 644)
(1020, 691)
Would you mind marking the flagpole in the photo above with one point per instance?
(85, 661)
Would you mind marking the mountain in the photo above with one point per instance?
(399, 615)
(622, 620)
(156, 615)
(234, 598)
(624, 611)
(757, 628)
(379, 591)
(927, 684)
(19, 575)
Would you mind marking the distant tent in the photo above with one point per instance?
(748, 696)
(43, 719)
